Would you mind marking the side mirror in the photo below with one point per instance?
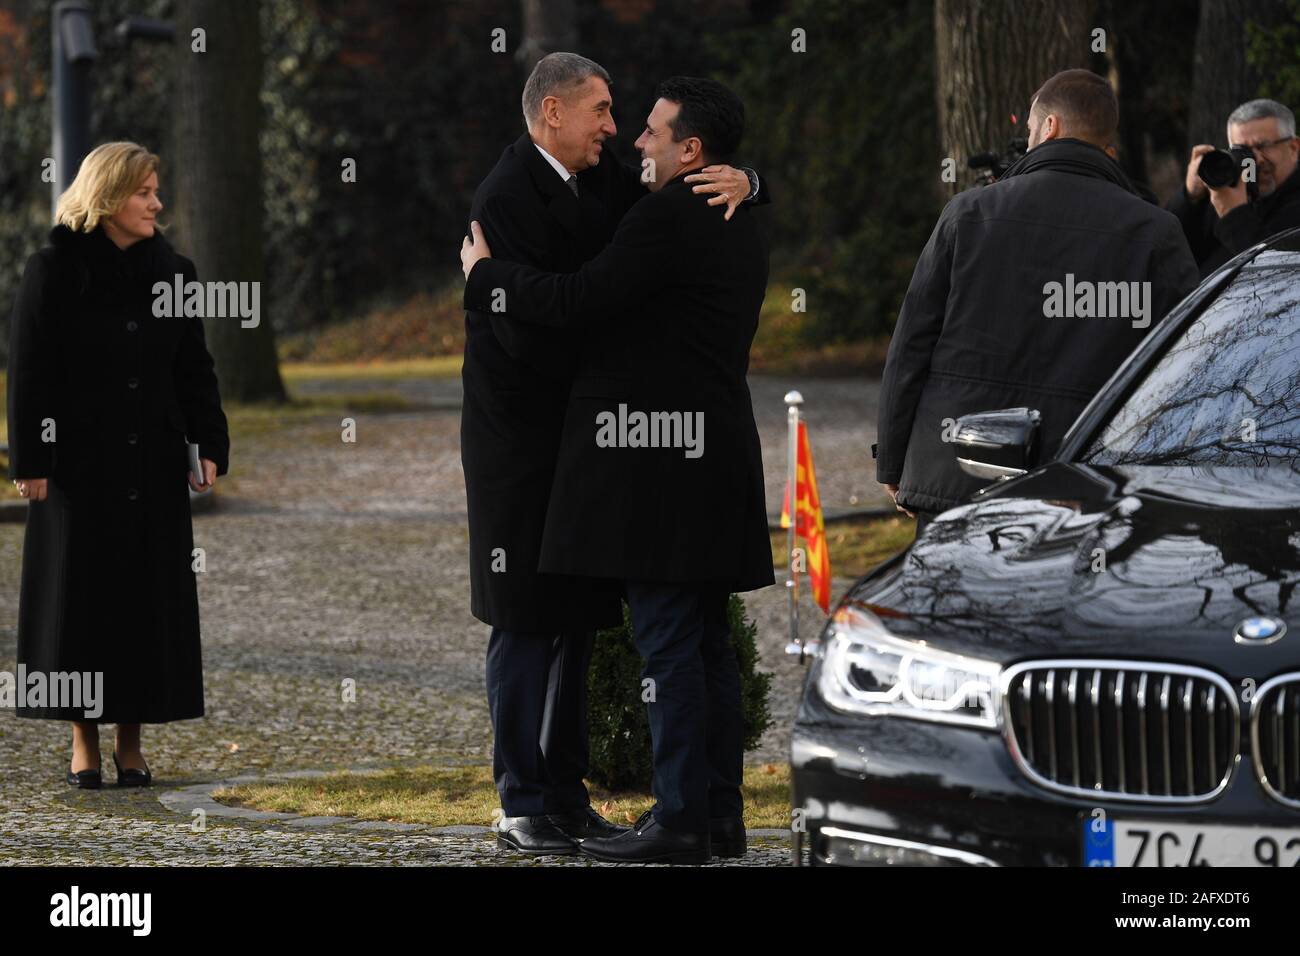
(999, 444)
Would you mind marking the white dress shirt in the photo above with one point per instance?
(555, 164)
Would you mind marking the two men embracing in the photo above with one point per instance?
(596, 290)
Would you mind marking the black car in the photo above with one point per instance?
(1088, 663)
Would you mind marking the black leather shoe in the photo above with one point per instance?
(585, 824)
(85, 779)
(131, 777)
(727, 836)
(649, 842)
(535, 835)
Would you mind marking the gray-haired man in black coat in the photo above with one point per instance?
(1222, 222)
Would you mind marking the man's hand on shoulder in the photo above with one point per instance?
(473, 248)
(730, 186)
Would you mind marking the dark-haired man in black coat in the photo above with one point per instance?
(659, 482)
(985, 324)
(550, 202)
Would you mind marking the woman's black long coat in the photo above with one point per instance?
(108, 580)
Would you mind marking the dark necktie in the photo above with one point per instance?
(572, 182)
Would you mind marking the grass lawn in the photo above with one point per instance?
(856, 546)
(432, 324)
(438, 366)
(780, 347)
(7, 488)
(447, 796)
(263, 418)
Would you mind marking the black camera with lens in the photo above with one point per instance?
(1221, 169)
(991, 166)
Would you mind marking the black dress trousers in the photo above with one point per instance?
(537, 698)
(697, 724)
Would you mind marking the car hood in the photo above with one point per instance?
(1125, 562)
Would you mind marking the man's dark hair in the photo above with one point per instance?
(1085, 102)
(708, 110)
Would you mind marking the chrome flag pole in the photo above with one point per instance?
(793, 400)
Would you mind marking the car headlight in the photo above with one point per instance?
(867, 670)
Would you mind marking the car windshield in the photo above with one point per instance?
(1227, 391)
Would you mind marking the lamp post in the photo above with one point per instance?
(72, 35)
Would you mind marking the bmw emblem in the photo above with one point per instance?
(1259, 630)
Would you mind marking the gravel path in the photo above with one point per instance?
(329, 561)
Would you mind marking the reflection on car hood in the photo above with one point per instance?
(1249, 489)
(1158, 563)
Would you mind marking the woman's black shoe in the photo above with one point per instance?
(85, 779)
(131, 777)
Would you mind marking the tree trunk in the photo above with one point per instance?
(218, 181)
(549, 26)
(1222, 79)
(992, 55)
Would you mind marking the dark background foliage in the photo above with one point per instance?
(1275, 54)
(130, 102)
(845, 133)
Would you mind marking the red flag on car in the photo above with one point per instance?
(808, 522)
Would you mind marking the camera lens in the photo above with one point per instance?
(1219, 169)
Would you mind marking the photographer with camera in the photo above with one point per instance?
(1221, 211)
(980, 328)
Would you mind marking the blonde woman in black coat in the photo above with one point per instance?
(102, 397)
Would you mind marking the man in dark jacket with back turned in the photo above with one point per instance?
(659, 483)
(1030, 292)
(551, 202)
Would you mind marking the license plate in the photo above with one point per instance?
(1158, 843)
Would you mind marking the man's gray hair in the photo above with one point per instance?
(557, 74)
(1264, 109)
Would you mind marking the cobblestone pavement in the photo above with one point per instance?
(328, 561)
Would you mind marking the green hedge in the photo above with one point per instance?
(621, 757)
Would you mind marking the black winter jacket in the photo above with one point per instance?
(977, 331)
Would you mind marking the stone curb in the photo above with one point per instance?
(186, 800)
